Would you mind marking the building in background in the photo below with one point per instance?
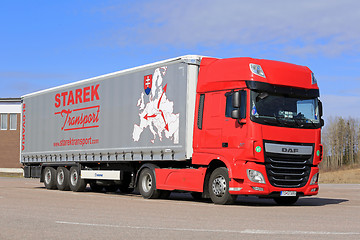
(10, 116)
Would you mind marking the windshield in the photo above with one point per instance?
(280, 110)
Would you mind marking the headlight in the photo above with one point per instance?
(255, 176)
(314, 179)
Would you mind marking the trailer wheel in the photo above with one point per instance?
(147, 184)
(286, 201)
(219, 187)
(50, 178)
(76, 183)
(62, 179)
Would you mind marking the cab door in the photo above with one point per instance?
(234, 131)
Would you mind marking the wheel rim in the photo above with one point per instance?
(74, 178)
(48, 176)
(219, 186)
(147, 183)
(60, 177)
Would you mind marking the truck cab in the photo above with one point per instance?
(261, 120)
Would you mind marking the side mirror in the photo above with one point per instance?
(235, 114)
(320, 108)
(322, 122)
(239, 105)
(236, 101)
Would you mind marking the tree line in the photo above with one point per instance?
(341, 141)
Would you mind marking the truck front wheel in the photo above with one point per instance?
(147, 184)
(76, 183)
(219, 187)
(50, 178)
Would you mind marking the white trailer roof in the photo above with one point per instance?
(189, 58)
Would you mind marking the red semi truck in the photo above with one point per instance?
(217, 128)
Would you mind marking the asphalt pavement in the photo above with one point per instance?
(29, 211)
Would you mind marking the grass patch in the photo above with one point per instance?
(345, 175)
(15, 175)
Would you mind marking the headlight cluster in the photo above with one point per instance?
(255, 176)
(314, 179)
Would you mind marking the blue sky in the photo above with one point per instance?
(48, 43)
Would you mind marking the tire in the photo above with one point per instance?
(286, 201)
(50, 178)
(76, 183)
(62, 179)
(147, 184)
(219, 187)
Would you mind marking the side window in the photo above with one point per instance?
(201, 111)
(4, 121)
(13, 121)
(229, 107)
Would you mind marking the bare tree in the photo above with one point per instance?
(341, 140)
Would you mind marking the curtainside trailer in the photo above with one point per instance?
(217, 128)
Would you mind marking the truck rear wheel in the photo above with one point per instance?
(50, 178)
(219, 187)
(76, 183)
(147, 184)
(62, 179)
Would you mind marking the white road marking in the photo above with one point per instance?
(246, 231)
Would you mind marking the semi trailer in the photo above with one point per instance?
(217, 128)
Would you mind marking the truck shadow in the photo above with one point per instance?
(240, 201)
(263, 202)
(303, 202)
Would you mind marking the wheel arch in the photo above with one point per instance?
(151, 166)
(214, 164)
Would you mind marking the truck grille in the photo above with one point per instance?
(288, 170)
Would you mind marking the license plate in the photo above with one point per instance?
(288, 193)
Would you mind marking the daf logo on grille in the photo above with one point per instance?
(290, 150)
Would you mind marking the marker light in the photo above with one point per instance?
(258, 188)
(257, 70)
(255, 176)
(313, 79)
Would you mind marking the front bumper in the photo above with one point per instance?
(243, 186)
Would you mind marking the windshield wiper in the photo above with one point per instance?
(311, 122)
(299, 124)
(305, 121)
